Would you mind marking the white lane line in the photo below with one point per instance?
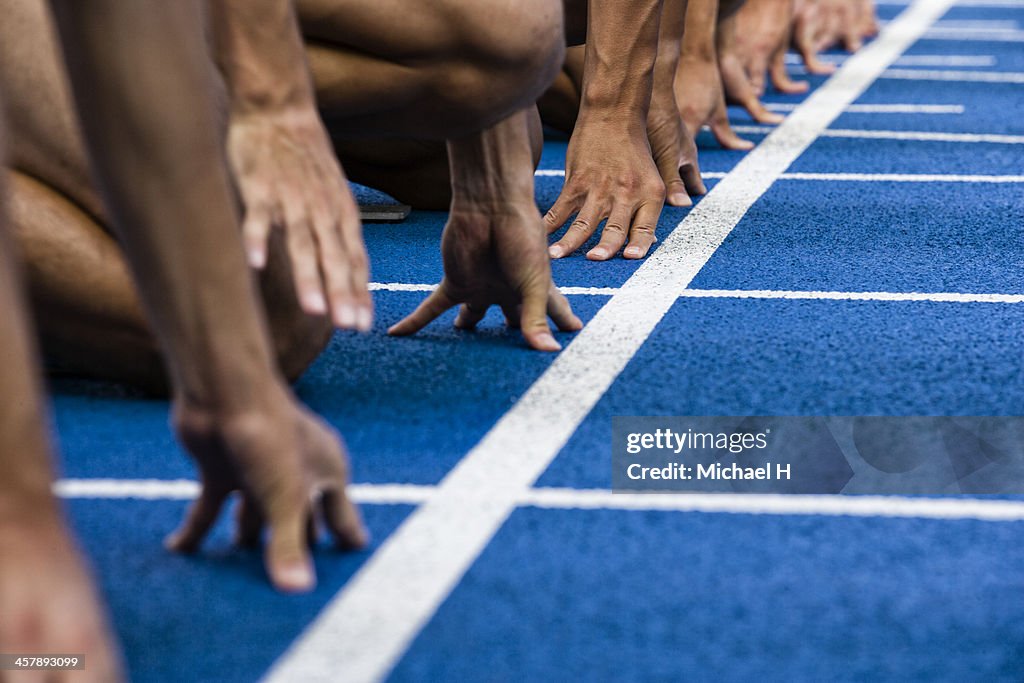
(992, 24)
(955, 76)
(366, 628)
(780, 504)
(952, 75)
(851, 177)
(921, 136)
(141, 489)
(961, 3)
(884, 108)
(400, 287)
(187, 489)
(941, 297)
(603, 499)
(904, 178)
(969, 24)
(559, 173)
(909, 60)
(986, 35)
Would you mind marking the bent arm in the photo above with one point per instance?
(153, 141)
(618, 71)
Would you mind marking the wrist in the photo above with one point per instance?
(699, 49)
(611, 121)
(29, 509)
(493, 167)
(288, 97)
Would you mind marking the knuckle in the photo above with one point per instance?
(615, 228)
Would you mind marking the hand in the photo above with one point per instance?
(746, 43)
(867, 18)
(289, 178)
(807, 21)
(674, 151)
(847, 22)
(496, 255)
(48, 603)
(781, 80)
(610, 173)
(701, 101)
(287, 464)
(762, 32)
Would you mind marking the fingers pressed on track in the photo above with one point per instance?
(613, 236)
(723, 132)
(579, 231)
(534, 316)
(249, 524)
(692, 180)
(642, 236)
(429, 309)
(565, 206)
(286, 556)
(343, 520)
(561, 313)
(199, 519)
(470, 315)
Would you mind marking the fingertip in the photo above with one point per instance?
(296, 576)
(544, 341)
(598, 253)
(556, 251)
(313, 302)
(355, 538)
(680, 199)
(634, 252)
(346, 317)
(364, 321)
(257, 257)
(179, 542)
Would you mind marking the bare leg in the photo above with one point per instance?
(469, 75)
(412, 75)
(42, 578)
(88, 311)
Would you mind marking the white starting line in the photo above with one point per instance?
(920, 136)
(884, 108)
(937, 297)
(856, 177)
(603, 499)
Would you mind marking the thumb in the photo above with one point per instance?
(668, 167)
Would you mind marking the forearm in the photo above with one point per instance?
(143, 88)
(259, 50)
(620, 58)
(493, 166)
(670, 39)
(25, 469)
(699, 34)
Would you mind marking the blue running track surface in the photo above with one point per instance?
(611, 594)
